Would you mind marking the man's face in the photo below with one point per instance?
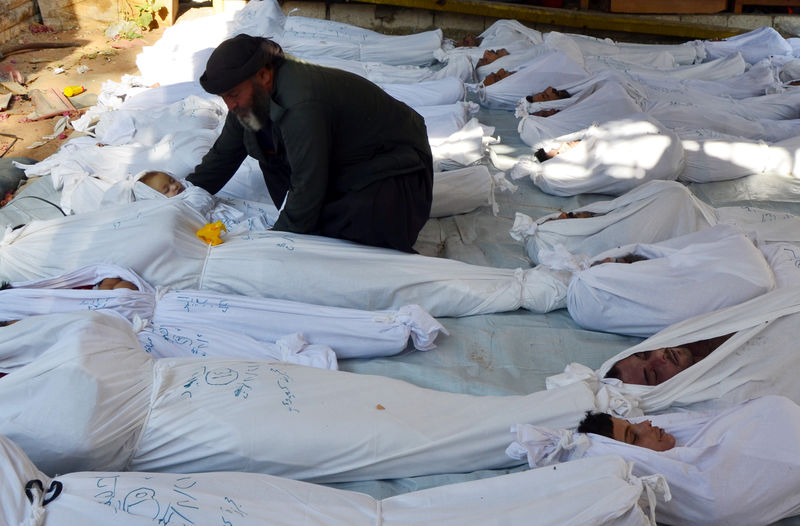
(643, 434)
(654, 367)
(248, 100)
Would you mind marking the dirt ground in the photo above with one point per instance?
(106, 59)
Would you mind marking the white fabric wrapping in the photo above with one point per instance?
(591, 46)
(683, 277)
(754, 45)
(445, 120)
(784, 259)
(597, 104)
(448, 90)
(509, 34)
(311, 37)
(157, 240)
(510, 62)
(712, 156)
(650, 213)
(82, 395)
(695, 117)
(465, 147)
(758, 360)
(461, 191)
(233, 326)
(550, 69)
(738, 466)
(603, 489)
(611, 158)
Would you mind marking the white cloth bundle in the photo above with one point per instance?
(611, 158)
(157, 240)
(662, 60)
(650, 213)
(465, 147)
(238, 215)
(738, 466)
(509, 34)
(230, 323)
(550, 69)
(82, 395)
(754, 45)
(713, 156)
(312, 37)
(694, 117)
(597, 104)
(148, 126)
(758, 359)
(461, 191)
(510, 62)
(459, 67)
(590, 46)
(599, 491)
(716, 71)
(448, 90)
(683, 277)
(85, 171)
(784, 259)
(445, 120)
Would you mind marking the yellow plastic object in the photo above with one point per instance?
(210, 233)
(71, 91)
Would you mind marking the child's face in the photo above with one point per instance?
(164, 183)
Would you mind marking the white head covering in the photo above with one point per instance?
(739, 466)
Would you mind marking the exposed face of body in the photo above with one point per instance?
(549, 93)
(248, 100)
(163, 183)
(654, 367)
(643, 434)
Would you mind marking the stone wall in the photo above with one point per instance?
(17, 16)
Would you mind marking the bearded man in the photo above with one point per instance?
(345, 159)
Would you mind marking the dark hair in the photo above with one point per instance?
(540, 155)
(597, 423)
(613, 373)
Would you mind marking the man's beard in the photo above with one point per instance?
(257, 114)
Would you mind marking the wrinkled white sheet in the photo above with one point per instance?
(713, 156)
(682, 277)
(550, 69)
(650, 213)
(598, 103)
(82, 395)
(611, 158)
(604, 488)
(157, 240)
(688, 53)
(754, 45)
(231, 325)
(736, 466)
(759, 359)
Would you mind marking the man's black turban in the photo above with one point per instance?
(234, 61)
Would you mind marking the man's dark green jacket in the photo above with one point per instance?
(334, 131)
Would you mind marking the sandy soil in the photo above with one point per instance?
(96, 51)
